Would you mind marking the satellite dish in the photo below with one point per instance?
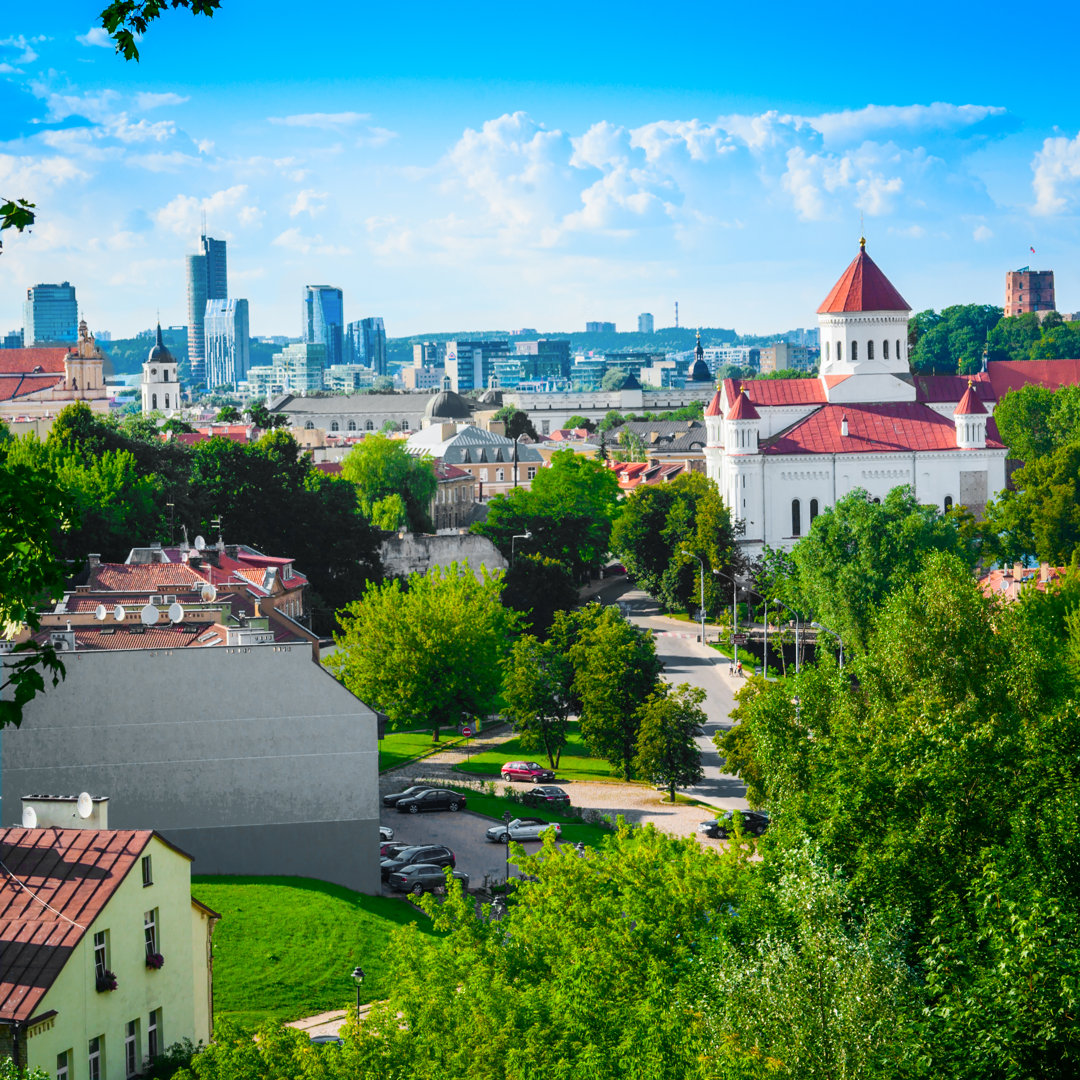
(119, 614)
(149, 615)
(100, 612)
(29, 817)
(208, 593)
(200, 542)
(176, 613)
(85, 804)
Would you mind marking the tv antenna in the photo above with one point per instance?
(149, 615)
(84, 805)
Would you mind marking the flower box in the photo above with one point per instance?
(155, 961)
(105, 981)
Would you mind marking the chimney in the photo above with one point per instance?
(1044, 573)
(93, 560)
(1018, 571)
(843, 426)
(64, 812)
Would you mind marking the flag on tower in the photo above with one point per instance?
(1032, 251)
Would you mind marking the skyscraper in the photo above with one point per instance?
(373, 336)
(207, 279)
(50, 315)
(323, 323)
(227, 342)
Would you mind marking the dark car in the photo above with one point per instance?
(424, 877)
(390, 848)
(546, 795)
(408, 793)
(431, 799)
(526, 770)
(754, 823)
(436, 854)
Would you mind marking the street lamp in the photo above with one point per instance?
(358, 978)
(506, 838)
(701, 563)
(832, 633)
(734, 610)
(526, 535)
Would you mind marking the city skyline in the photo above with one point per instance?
(446, 200)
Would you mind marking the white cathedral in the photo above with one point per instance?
(783, 450)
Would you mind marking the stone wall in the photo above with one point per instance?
(410, 553)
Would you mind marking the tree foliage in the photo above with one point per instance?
(667, 751)
(538, 692)
(517, 422)
(953, 340)
(538, 588)
(382, 469)
(128, 20)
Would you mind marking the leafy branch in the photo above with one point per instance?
(16, 214)
(126, 20)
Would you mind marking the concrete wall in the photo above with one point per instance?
(253, 759)
(410, 553)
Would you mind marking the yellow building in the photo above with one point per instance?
(106, 954)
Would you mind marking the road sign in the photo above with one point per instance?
(739, 639)
(466, 731)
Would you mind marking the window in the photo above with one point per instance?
(150, 933)
(101, 953)
(131, 1048)
(826, 352)
(898, 356)
(796, 518)
(147, 871)
(404, 425)
(368, 425)
(885, 349)
(532, 472)
(166, 401)
(869, 350)
(484, 475)
(854, 352)
(165, 375)
(97, 1048)
(500, 475)
(153, 401)
(813, 510)
(309, 426)
(948, 502)
(153, 1035)
(63, 1065)
(335, 426)
(352, 425)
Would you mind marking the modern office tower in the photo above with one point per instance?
(373, 336)
(207, 279)
(544, 359)
(1029, 290)
(50, 315)
(429, 354)
(599, 328)
(13, 339)
(322, 322)
(299, 369)
(227, 342)
(645, 323)
(470, 364)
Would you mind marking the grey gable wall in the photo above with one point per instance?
(252, 759)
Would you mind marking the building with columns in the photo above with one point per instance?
(784, 450)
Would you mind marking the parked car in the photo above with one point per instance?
(546, 795)
(390, 848)
(424, 877)
(524, 828)
(754, 823)
(431, 799)
(526, 770)
(385, 833)
(436, 854)
(408, 793)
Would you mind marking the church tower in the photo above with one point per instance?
(160, 387)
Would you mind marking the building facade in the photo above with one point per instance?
(1029, 290)
(470, 365)
(227, 342)
(367, 338)
(207, 279)
(160, 383)
(323, 322)
(645, 323)
(50, 315)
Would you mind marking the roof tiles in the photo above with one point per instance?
(863, 287)
(771, 392)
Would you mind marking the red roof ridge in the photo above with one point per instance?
(743, 409)
(714, 405)
(863, 287)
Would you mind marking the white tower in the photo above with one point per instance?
(743, 474)
(160, 388)
(970, 419)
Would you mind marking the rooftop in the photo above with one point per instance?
(863, 287)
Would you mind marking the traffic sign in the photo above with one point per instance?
(739, 639)
(466, 731)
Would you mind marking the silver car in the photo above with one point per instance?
(521, 829)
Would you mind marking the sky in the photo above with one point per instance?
(497, 166)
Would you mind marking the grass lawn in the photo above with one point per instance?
(575, 763)
(401, 746)
(493, 806)
(285, 947)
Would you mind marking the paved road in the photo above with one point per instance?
(686, 660)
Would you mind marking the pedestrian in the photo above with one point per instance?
(738, 669)
(731, 667)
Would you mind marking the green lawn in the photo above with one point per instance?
(285, 947)
(575, 763)
(573, 831)
(401, 746)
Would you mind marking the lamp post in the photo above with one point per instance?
(506, 839)
(701, 563)
(358, 978)
(832, 633)
(734, 610)
(526, 535)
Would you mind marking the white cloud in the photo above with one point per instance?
(310, 202)
(376, 137)
(294, 240)
(146, 100)
(96, 35)
(322, 121)
(28, 56)
(1057, 175)
(854, 125)
(183, 214)
(142, 131)
(982, 233)
(30, 176)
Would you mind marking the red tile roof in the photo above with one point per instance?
(332, 468)
(949, 388)
(144, 577)
(892, 428)
(132, 634)
(743, 409)
(47, 357)
(863, 287)
(969, 404)
(17, 386)
(714, 408)
(1008, 375)
(74, 871)
(770, 392)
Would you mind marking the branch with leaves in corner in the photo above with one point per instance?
(125, 20)
(15, 214)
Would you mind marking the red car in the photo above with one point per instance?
(526, 770)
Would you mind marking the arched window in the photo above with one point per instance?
(869, 350)
(404, 425)
(948, 502)
(796, 518)
(166, 401)
(153, 401)
(899, 356)
(352, 425)
(885, 349)
(335, 426)
(309, 426)
(813, 510)
(854, 352)
(368, 425)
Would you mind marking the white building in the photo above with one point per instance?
(784, 450)
(160, 386)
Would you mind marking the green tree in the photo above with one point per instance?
(578, 421)
(1023, 421)
(614, 379)
(1012, 338)
(427, 652)
(517, 423)
(616, 669)
(954, 340)
(539, 692)
(538, 588)
(612, 419)
(228, 414)
(261, 417)
(380, 467)
(667, 752)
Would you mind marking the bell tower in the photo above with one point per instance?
(160, 388)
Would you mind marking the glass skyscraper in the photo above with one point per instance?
(50, 315)
(227, 342)
(365, 343)
(207, 279)
(323, 322)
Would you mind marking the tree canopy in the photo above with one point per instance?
(953, 340)
(394, 489)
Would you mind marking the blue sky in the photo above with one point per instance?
(492, 165)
